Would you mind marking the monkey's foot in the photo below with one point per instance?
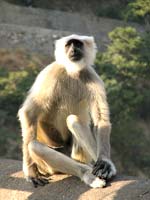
(104, 169)
(93, 181)
(41, 181)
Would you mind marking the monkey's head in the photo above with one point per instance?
(75, 52)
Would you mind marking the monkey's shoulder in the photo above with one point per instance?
(53, 70)
(49, 73)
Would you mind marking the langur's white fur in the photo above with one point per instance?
(90, 50)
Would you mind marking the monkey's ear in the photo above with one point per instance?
(89, 40)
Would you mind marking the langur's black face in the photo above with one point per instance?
(74, 50)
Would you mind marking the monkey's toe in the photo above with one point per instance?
(38, 181)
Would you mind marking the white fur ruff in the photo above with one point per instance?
(90, 50)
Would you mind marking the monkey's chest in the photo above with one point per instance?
(72, 103)
(72, 94)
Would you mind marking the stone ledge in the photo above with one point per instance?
(64, 187)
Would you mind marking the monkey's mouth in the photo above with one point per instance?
(75, 57)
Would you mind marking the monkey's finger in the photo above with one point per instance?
(39, 182)
(99, 173)
(102, 170)
(98, 163)
(44, 181)
(106, 172)
(106, 168)
(34, 182)
(104, 175)
(95, 170)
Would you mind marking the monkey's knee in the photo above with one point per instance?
(72, 120)
(34, 147)
(39, 149)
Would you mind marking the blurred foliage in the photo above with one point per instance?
(16, 80)
(17, 73)
(125, 69)
(138, 10)
(129, 10)
(12, 88)
(111, 11)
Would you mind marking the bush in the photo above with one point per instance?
(138, 10)
(18, 70)
(125, 69)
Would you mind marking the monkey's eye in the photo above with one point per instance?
(79, 44)
(67, 44)
(76, 43)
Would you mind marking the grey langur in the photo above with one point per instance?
(65, 118)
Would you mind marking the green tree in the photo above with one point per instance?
(139, 10)
(18, 70)
(125, 69)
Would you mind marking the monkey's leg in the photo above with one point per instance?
(82, 133)
(64, 164)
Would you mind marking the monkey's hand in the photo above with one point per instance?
(38, 181)
(104, 169)
(37, 178)
(33, 175)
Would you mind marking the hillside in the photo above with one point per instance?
(36, 29)
(82, 6)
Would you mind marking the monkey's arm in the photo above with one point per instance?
(35, 103)
(28, 120)
(104, 167)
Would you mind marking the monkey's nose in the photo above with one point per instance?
(74, 51)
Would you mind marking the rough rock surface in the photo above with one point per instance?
(64, 187)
